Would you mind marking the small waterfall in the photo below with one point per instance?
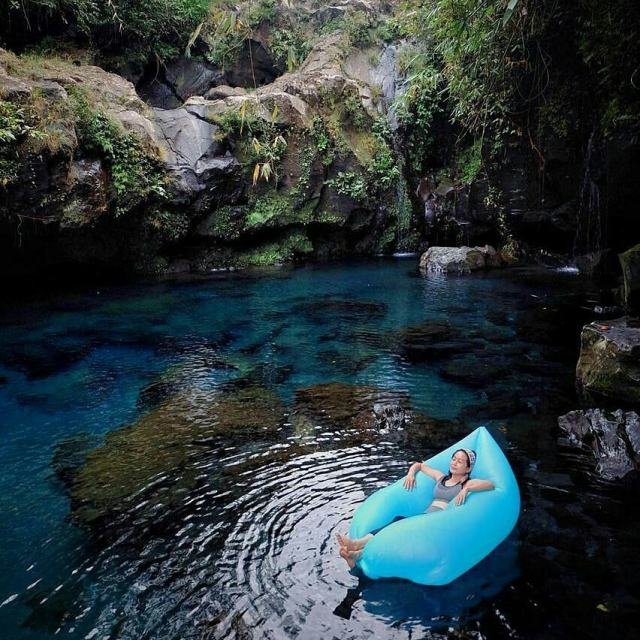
(589, 222)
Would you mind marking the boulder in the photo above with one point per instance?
(630, 263)
(614, 438)
(191, 153)
(609, 362)
(458, 260)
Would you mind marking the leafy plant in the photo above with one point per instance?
(136, 176)
(354, 111)
(350, 184)
(16, 127)
(289, 47)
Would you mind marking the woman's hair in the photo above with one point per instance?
(466, 453)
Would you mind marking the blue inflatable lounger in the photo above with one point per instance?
(438, 547)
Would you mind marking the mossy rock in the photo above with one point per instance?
(293, 245)
(609, 363)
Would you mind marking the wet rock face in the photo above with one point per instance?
(613, 437)
(88, 193)
(630, 263)
(458, 260)
(609, 363)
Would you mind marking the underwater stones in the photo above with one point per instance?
(269, 373)
(345, 406)
(614, 438)
(609, 362)
(427, 341)
(70, 455)
(389, 416)
(500, 406)
(38, 360)
(338, 309)
(630, 263)
(472, 371)
(346, 362)
(458, 260)
(432, 434)
(153, 460)
(179, 378)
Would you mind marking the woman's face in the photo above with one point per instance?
(459, 463)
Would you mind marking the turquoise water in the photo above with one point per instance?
(248, 548)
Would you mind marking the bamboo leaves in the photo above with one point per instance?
(509, 11)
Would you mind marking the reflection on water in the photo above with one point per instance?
(177, 458)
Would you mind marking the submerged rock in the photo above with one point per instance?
(427, 341)
(153, 459)
(474, 372)
(614, 438)
(458, 260)
(609, 363)
(350, 363)
(362, 411)
(332, 309)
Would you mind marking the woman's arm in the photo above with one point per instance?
(410, 480)
(474, 485)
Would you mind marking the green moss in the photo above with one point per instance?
(273, 209)
(359, 28)
(331, 218)
(172, 225)
(386, 240)
(287, 249)
(225, 224)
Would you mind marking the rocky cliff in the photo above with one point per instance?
(244, 163)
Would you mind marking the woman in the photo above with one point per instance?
(454, 485)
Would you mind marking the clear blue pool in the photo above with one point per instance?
(247, 545)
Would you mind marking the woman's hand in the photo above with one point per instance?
(461, 497)
(410, 481)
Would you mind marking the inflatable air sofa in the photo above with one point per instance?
(437, 548)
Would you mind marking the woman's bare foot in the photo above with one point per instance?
(346, 555)
(353, 545)
(350, 556)
(343, 541)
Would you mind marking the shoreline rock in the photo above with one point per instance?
(609, 362)
(459, 260)
(614, 438)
